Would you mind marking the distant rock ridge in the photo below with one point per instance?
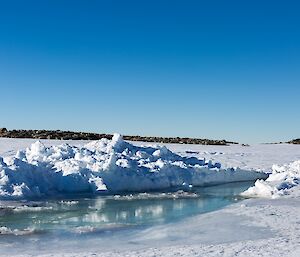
(295, 141)
(70, 135)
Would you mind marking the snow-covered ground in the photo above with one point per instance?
(267, 225)
(107, 166)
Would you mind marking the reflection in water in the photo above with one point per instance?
(58, 215)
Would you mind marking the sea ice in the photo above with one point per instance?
(281, 182)
(107, 166)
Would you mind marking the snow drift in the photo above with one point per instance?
(281, 182)
(107, 166)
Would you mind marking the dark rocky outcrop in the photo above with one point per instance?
(245, 145)
(295, 141)
(69, 135)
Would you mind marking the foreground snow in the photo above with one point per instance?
(253, 227)
(107, 166)
(281, 182)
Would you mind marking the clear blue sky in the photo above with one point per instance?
(208, 69)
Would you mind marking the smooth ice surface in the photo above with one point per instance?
(117, 222)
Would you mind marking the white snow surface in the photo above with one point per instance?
(281, 182)
(107, 166)
(267, 226)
